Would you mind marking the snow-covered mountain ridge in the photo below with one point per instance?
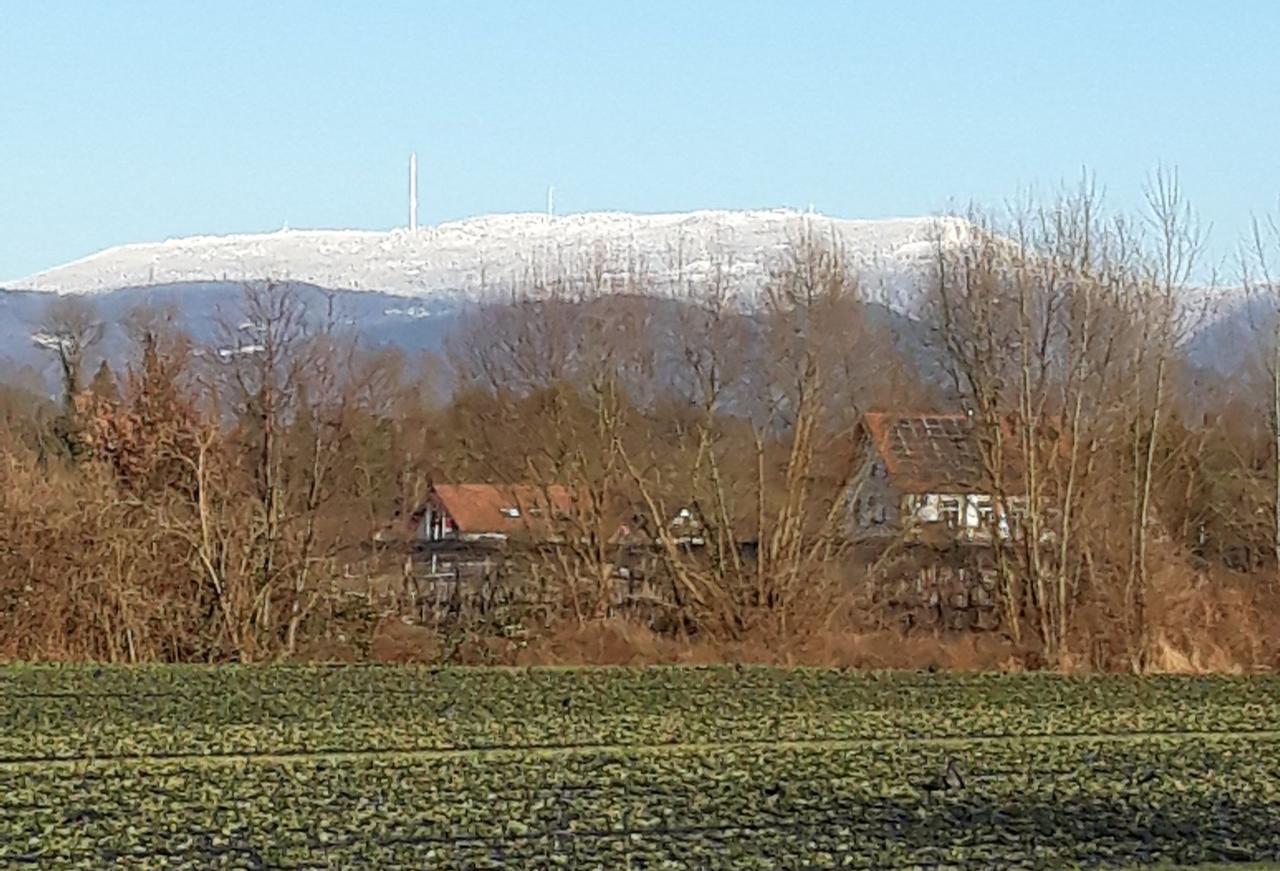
(491, 252)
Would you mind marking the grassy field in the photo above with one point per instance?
(658, 768)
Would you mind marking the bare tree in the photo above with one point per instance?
(1177, 242)
(1036, 318)
(288, 378)
(70, 328)
(1262, 300)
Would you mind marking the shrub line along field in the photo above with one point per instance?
(319, 767)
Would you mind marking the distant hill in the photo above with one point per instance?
(407, 289)
(381, 319)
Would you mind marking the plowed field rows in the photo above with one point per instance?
(291, 767)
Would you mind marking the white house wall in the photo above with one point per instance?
(928, 508)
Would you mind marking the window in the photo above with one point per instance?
(439, 525)
(511, 512)
(986, 515)
(863, 509)
(950, 511)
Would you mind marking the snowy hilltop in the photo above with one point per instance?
(465, 258)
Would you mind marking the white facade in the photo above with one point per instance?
(971, 514)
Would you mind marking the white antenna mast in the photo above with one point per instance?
(413, 191)
(551, 201)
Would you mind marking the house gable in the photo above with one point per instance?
(925, 471)
(872, 500)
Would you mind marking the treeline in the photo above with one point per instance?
(206, 502)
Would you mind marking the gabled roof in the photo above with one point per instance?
(931, 452)
(503, 509)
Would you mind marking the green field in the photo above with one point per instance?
(306, 767)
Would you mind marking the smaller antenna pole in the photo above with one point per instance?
(551, 201)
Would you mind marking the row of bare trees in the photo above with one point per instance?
(197, 506)
(1064, 329)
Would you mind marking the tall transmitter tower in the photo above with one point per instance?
(413, 191)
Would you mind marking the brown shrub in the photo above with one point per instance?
(1219, 623)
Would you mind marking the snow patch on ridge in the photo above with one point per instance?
(464, 259)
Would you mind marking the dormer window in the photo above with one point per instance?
(511, 512)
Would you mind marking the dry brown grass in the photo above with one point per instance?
(395, 641)
(620, 643)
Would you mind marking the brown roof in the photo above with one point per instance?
(487, 509)
(928, 452)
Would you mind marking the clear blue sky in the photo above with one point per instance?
(135, 121)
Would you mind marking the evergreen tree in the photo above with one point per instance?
(103, 386)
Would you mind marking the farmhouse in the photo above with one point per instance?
(923, 476)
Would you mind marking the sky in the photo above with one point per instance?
(139, 121)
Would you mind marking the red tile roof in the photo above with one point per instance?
(503, 509)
